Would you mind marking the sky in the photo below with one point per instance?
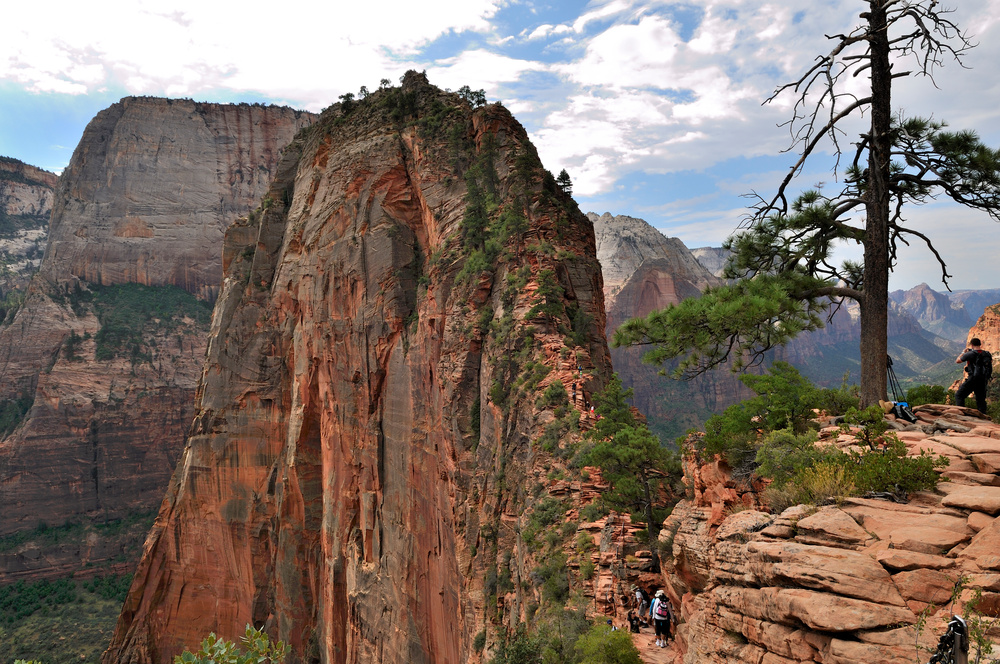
(655, 109)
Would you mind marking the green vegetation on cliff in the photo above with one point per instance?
(63, 620)
(131, 315)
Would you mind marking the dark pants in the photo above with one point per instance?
(661, 627)
(969, 386)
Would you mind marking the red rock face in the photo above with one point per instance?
(358, 419)
(153, 183)
(987, 330)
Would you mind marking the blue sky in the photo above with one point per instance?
(654, 108)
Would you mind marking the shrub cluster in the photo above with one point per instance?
(772, 435)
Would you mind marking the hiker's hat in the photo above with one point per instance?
(660, 593)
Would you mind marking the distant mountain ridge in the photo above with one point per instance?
(643, 271)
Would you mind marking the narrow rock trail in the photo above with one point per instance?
(645, 641)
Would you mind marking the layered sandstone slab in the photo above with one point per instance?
(860, 582)
(360, 430)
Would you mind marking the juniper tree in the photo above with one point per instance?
(785, 277)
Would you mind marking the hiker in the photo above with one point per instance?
(641, 600)
(661, 611)
(978, 370)
(633, 622)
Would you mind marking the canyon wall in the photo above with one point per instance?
(26, 194)
(385, 356)
(101, 362)
(153, 185)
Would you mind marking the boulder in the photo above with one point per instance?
(928, 586)
(831, 526)
(901, 560)
(980, 499)
(828, 569)
(979, 520)
(819, 611)
(926, 539)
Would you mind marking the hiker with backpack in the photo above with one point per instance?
(662, 613)
(978, 370)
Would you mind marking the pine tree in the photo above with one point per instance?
(564, 182)
(781, 261)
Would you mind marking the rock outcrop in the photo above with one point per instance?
(362, 442)
(713, 258)
(102, 359)
(26, 194)
(865, 581)
(987, 330)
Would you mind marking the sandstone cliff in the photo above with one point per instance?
(987, 329)
(365, 435)
(644, 271)
(100, 368)
(863, 582)
(115, 222)
(713, 258)
(25, 204)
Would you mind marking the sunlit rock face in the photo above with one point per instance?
(145, 200)
(26, 194)
(361, 446)
(153, 185)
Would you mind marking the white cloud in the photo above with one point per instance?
(309, 53)
(480, 68)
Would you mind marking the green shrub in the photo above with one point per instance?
(131, 313)
(12, 411)
(518, 649)
(803, 473)
(552, 577)
(891, 471)
(479, 642)
(921, 394)
(601, 645)
(815, 485)
(214, 650)
(785, 400)
(783, 455)
(554, 395)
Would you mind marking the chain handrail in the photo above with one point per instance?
(953, 648)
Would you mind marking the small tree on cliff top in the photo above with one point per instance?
(782, 260)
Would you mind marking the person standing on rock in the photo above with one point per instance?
(978, 371)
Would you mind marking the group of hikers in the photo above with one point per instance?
(658, 612)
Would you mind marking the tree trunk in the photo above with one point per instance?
(652, 528)
(875, 302)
